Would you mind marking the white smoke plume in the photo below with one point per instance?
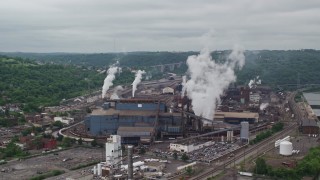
(113, 69)
(137, 80)
(209, 79)
(184, 82)
(254, 82)
(115, 94)
(263, 106)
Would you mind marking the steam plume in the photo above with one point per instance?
(115, 94)
(209, 79)
(263, 106)
(110, 77)
(136, 81)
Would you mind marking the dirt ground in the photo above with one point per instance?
(25, 169)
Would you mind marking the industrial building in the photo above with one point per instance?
(309, 126)
(64, 120)
(186, 147)
(236, 117)
(137, 120)
(313, 100)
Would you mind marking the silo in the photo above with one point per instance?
(286, 148)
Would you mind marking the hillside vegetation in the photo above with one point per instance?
(34, 85)
(274, 67)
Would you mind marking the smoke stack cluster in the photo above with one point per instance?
(254, 82)
(209, 79)
(136, 81)
(110, 77)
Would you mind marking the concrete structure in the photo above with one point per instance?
(309, 126)
(244, 132)
(64, 120)
(185, 147)
(168, 90)
(286, 148)
(237, 117)
(113, 150)
(132, 113)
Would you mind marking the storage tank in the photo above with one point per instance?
(286, 148)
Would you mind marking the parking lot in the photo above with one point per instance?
(215, 151)
(63, 160)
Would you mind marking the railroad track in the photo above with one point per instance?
(250, 150)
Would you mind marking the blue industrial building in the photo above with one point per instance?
(132, 113)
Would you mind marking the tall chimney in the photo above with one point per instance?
(130, 163)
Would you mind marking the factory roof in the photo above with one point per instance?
(317, 112)
(312, 98)
(309, 122)
(135, 129)
(111, 111)
(236, 115)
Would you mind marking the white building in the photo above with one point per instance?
(64, 120)
(254, 97)
(168, 90)
(189, 147)
(113, 150)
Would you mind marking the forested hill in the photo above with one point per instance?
(34, 85)
(273, 66)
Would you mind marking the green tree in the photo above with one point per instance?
(175, 155)
(184, 157)
(67, 142)
(58, 124)
(189, 170)
(94, 143)
(80, 141)
(261, 166)
(142, 151)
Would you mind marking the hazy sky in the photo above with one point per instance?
(157, 25)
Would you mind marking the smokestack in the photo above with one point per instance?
(130, 163)
(137, 80)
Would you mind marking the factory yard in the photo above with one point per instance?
(63, 160)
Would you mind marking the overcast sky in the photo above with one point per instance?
(157, 25)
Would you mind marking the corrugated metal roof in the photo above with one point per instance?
(309, 122)
(312, 98)
(135, 129)
(237, 115)
(112, 111)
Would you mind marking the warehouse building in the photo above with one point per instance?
(237, 117)
(313, 100)
(133, 119)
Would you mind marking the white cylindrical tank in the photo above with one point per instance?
(286, 148)
(99, 169)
